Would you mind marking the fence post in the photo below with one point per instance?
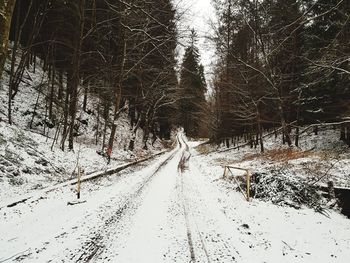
(248, 185)
(78, 186)
(225, 172)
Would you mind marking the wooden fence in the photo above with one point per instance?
(228, 170)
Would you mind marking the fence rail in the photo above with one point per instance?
(228, 169)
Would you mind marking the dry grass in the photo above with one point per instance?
(203, 149)
(167, 143)
(225, 161)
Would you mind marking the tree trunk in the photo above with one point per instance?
(98, 121)
(115, 117)
(286, 132)
(75, 78)
(86, 90)
(134, 130)
(6, 9)
(297, 136)
(60, 86)
(120, 63)
(260, 132)
(52, 93)
(13, 63)
(65, 117)
(342, 132)
(348, 134)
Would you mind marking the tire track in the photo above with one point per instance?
(94, 246)
(183, 165)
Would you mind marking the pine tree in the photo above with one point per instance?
(192, 89)
(327, 48)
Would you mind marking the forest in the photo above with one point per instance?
(163, 131)
(282, 65)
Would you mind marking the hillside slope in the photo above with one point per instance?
(31, 160)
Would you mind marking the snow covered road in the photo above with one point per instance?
(136, 211)
(167, 210)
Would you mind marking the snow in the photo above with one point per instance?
(51, 227)
(316, 156)
(28, 163)
(161, 211)
(264, 232)
(174, 208)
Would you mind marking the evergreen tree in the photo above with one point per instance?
(287, 66)
(192, 89)
(326, 50)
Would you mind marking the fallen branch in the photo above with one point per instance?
(75, 181)
(323, 124)
(76, 202)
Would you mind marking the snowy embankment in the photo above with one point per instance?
(30, 161)
(293, 177)
(318, 159)
(263, 231)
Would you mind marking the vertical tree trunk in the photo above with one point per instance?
(145, 137)
(60, 86)
(86, 90)
(342, 132)
(117, 101)
(75, 80)
(260, 133)
(98, 121)
(104, 136)
(13, 63)
(65, 114)
(348, 134)
(286, 133)
(297, 130)
(52, 93)
(6, 10)
(134, 130)
(227, 143)
(34, 111)
(120, 63)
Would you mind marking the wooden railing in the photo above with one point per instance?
(228, 169)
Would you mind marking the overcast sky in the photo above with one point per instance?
(197, 14)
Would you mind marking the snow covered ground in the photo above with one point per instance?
(29, 160)
(176, 208)
(318, 156)
(273, 233)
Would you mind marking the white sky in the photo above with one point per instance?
(197, 14)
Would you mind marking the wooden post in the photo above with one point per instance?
(331, 193)
(225, 172)
(78, 185)
(248, 185)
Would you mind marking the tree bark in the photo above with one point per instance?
(6, 10)
(342, 132)
(75, 80)
(120, 63)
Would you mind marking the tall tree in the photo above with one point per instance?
(6, 10)
(192, 89)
